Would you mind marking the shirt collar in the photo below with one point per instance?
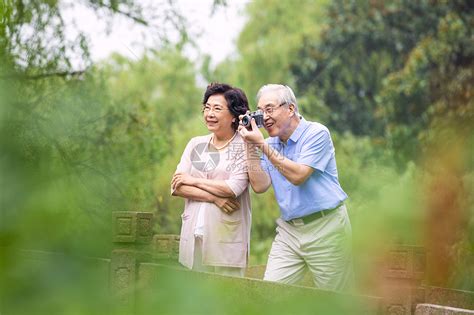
(303, 124)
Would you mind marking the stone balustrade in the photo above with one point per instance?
(139, 256)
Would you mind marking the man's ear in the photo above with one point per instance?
(291, 107)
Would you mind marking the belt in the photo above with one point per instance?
(313, 216)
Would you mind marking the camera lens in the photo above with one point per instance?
(246, 120)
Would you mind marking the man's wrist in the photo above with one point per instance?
(258, 145)
(253, 152)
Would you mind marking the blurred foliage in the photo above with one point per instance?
(383, 76)
(269, 43)
(393, 81)
(224, 295)
(40, 42)
(96, 144)
(144, 96)
(76, 145)
(362, 42)
(434, 89)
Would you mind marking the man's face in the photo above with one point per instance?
(276, 115)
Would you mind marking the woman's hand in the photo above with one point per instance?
(228, 205)
(182, 179)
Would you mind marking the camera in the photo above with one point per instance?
(257, 115)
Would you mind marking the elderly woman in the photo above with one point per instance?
(213, 179)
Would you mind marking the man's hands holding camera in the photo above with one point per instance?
(252, 136)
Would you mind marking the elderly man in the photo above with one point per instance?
(313, 231)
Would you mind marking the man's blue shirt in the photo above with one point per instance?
(310, 144)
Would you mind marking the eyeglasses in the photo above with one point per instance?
(215, 109)
(270, 109)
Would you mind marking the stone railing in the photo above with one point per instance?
(145, 277)
(140, 258)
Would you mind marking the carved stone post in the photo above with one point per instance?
(132, 234)
(405, 268)
(166, 247)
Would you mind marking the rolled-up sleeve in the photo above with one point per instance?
(264, 163)
(317, 151)
(238, 180)
(184, 165)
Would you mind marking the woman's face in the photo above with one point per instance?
(217, 115)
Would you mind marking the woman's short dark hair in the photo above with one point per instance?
(235, 97)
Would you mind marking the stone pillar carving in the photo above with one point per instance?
(404, 272)
(166, 247)
(132, 234)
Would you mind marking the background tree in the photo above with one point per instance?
(78, 141)
(61, 121)
(402, 73)
(362, 44)
(384, 77)
(269, 42)
(392, 80)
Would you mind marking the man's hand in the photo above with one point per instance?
(228, 205)
(253, 136)
(182, 179)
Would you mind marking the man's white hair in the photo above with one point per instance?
(284, 92)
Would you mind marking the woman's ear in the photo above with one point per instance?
(233, 119)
